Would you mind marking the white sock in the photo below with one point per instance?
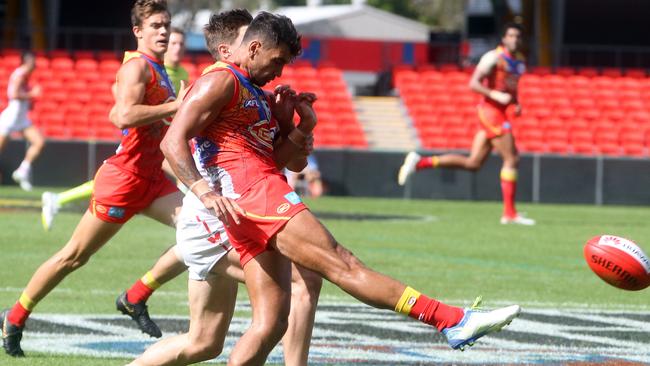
(25, 166)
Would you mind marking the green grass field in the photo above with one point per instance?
(451, 250)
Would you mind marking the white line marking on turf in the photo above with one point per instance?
(348, 334)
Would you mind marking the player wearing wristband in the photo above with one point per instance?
(237, 158)
(501, 69)
(204, 247)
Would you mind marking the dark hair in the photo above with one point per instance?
(25, 55)
(142, 9)
(275, 28)
(511, 25)
(177, 30)
(224, 28)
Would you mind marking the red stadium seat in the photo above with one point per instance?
(59, 54)
(107, 55)
(634, 150)
(449, 68)
(531, 146)
(558, 147)
(541, 70)
(109, 66)
(565, 71)
(61, 63)
(635, 73)
(612, 72)
(588, 71)
(86, 65)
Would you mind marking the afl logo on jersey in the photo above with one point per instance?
(251, 103)
(168, 120)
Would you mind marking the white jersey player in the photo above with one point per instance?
(14, 118)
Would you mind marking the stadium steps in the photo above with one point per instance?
(385, 123)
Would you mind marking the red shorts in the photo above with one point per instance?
(494, 121)
(119, 194)
(269, 204)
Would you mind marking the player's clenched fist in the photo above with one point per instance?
(305, 110)
(226, 209)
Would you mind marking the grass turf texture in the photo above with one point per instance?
(458, 252)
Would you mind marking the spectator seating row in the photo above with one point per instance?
(77, 95)
(584, 111)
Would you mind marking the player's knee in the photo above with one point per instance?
(205, 351)
(70, 260)
(272, 330)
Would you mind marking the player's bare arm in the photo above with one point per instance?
(209, 95)
(299, 162)
(282, 103)
(129, 111)
(301, 136)
(294, 147)
(484, 68)
(17, 89)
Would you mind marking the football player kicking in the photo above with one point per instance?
(231, 122)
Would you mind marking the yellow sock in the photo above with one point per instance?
(406, 301)
(150, 281)
(509, 175)
(26, 302)
(77, 193)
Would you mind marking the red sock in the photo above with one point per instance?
(433, 312)
(508, 191)
(427, 162)
(18, 315)
(138, 292)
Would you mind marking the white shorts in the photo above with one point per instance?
(14, 117)
(201, 238)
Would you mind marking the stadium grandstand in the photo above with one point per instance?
(401, 90)
(407, 173)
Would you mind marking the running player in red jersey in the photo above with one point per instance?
(501, 68)
(231, 120)
(129, 182)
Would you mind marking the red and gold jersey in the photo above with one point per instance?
(507, 71)
(139, 151)
(239, 142)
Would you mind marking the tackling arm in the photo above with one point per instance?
(199, 108)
